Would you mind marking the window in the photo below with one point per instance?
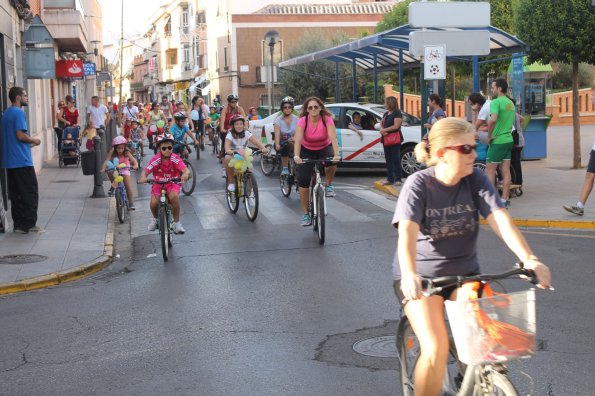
(167, 28)
(277, 53)
(225, 57)
(196, 51)
(171, 58)
(186, 53)
(185, 18)
(368, 120)
(200, 17)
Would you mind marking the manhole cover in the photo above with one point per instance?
(65, 181)
(22, 259)
(383, 347)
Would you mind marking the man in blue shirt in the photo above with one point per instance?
(16, 158)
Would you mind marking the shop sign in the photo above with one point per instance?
(89, 68)
(69, 69)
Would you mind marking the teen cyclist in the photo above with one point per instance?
(437, 216)
(165, 165)
(232, 108)
(238, 138)
(284, 130)
(315, 138)
(179, 130)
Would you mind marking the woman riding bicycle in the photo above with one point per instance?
(155, 115)
(238, 138)
(437, 216)
(315, 138)
(285, 126)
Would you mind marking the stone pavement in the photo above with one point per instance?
(75, 232)
(78, 229)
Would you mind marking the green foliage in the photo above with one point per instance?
(398, 16)
(557, 31)
(562, 78)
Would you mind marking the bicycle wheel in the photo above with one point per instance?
(170, 223)
(197, 149)
(311, 197)
(120, 205)
(233, 200)
(286, 182)
(188, 187)
(268, 161)
(251, 197)
(164, 232)
(320, 215)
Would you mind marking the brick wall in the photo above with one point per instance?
(560, 107)
(412, 103)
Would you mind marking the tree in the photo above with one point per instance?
(559, 31)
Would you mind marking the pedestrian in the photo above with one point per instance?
(199, 115)
(435, 104)
(392, 137)
(97, 113)
(89, 132)
(481, 112)
(59, 126)
(502, 113)
(70, 114)
(16, 159)
(579, 208)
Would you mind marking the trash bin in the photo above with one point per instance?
(88, 162)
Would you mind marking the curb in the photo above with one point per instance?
(71, 274)
(545, 223)
(390, 190)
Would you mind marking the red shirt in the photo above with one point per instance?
(165, 169)
(69, 116)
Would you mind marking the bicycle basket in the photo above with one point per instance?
(493, 329)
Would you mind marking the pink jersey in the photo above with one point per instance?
(165, 169)
(315, 136)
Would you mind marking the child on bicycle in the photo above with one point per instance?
(238, 138)
(120, 150)
(165, 165)
(179, 130)
(137, 135)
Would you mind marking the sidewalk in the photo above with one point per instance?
(77, 238)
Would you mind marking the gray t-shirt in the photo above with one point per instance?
(287, 131)
(449, 221)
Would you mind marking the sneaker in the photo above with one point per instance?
(223, 173)
(231, 187)
(329, 191)
(36, 229)
(202, 147)
(111, 192)
(575, 210)
(285, 172)
(251, 201)
(506, 203)
(152, 225)
(306, 220)
(178, 228)
(20, 231)
(131, 207)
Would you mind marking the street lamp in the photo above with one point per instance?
(271, 38)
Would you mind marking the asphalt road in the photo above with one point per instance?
(260, 308)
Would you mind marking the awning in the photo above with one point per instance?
(206, 89)
(197, 81)
(386, 46)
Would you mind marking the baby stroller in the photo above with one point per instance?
(70, 154)
(516, 187)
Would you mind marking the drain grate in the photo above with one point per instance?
(22, 259)
(383, 347)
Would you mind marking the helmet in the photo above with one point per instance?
(236, 117)
(213, 107)
(134, 119)
(165, 138)
(287, 99)
(231, 97)
(180, 116)
(119, 140)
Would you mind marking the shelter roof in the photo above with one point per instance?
(358, 8)
(386, 46)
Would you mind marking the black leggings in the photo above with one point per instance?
(304, 171)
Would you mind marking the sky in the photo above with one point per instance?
(136, 16)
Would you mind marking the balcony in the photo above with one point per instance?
(137, 87)
(66, 25)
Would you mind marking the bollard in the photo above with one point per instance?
(101, 133)
(98, 191)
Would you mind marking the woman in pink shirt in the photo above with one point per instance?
(315, 138)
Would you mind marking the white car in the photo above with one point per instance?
(355, 151)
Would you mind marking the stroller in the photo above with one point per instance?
(516, 175)
(70, 154)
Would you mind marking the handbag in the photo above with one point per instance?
(392, 139)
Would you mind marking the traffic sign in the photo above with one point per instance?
(458, 42)
(449, 14)
(435, 62)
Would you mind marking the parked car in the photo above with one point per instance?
(356, 152)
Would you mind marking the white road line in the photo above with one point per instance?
(376, 199)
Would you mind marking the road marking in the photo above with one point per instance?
(344, 213)
(559, 234)
(276, 208)
(379, 200)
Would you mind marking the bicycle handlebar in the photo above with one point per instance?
(176, 180)
(328, 159)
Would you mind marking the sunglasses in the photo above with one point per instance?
(167, 148)
(316, 107)
(234, 101)
(463, 148)
(288, 107)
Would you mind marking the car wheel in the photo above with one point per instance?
(409, 163)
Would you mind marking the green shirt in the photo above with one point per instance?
(504, 108)
(214, 116)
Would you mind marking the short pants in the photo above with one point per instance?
(286, 148)
(304, 171)
(591, 166)
(499, 152)
(170, 187)
(444, 293)
(90, 145)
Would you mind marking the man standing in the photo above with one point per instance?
(502, 113)
(97, 113)
(16, 158)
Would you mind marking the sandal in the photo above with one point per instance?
(399, 183)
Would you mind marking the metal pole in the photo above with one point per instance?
(98, 191)
(375, 78)
(337, 87)
(476, 87)
(424, 100)
(121, 58)
(401, 81)
(272, 78)
(354, 75)
(452, 103)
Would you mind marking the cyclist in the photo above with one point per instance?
(315, 138)
(137, 135)
(155, 115)
(181, 108)
(179, 131)
(437, 216)
(165, 165)
(199, 114)
(213, 126)
(167, 108)
(232, 108)
(238, 138)
(284, 131)
(120, 150)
